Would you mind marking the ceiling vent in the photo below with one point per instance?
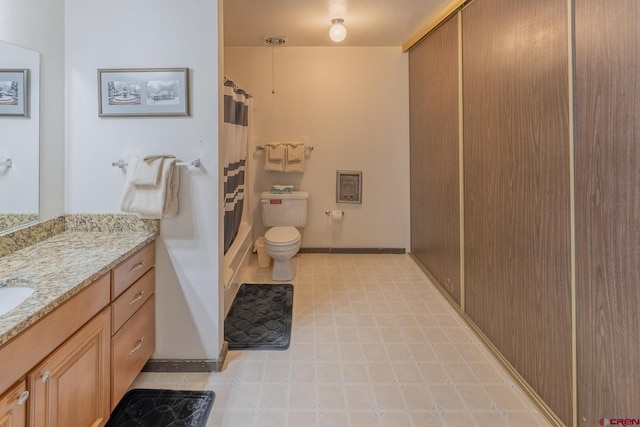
(275, 40)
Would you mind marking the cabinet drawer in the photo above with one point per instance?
(132, 299)
(131, 347)
(132, 269)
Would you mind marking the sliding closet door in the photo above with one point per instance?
(435, 206)
(516, 188)
(608, 208)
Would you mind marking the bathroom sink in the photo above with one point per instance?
(12, 296)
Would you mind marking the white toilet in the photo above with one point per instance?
(283, 213)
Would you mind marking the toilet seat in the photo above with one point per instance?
(280, 236)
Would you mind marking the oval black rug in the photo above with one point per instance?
(162, 408)
(260, 317)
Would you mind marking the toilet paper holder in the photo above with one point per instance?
(335, 215)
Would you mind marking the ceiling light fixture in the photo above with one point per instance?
(337, 32)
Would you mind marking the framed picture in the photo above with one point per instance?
(14, 92)
(143, 92)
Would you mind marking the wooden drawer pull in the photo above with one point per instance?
(136, 347)
(23, 398)
(136, 267)
(137, 298)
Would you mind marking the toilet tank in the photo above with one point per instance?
(289, 209)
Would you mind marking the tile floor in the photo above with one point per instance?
(373, 344)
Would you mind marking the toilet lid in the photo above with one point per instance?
(282, 235)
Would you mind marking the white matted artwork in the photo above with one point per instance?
(143, 92)
(14, 92)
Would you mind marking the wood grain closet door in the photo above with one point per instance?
(516, 182)
(435, 205)
(607, 209)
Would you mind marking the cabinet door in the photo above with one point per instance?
(13, 408)
(517, 212)
(607, 174)
(435, 183)
(70, 388)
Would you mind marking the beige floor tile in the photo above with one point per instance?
(360, 397)
(457, 419)
(418, 397)
(355, 373)
(475, 397)
(333, 419)
(364, 419)
(303, 372)
(303, 397)
(274, 396)
(389, 397)
(395, 419)
(309, 419)
(373, 344)
(427, 419)
(331, 397)
(447, 397)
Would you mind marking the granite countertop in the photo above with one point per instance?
(60, 267)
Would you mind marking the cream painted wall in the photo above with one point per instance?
(163, 33)
(39, 25)
(352, 105)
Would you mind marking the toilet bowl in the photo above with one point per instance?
(282, 243)
(285, 215)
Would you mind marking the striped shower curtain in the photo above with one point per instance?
(235, 138)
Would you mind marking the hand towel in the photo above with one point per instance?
(143, 172)
(171, 201)
(295, 158)
(274, 157)
(153, 201)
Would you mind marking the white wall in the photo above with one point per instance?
(163, 33)
(39, 25)
(352, 105)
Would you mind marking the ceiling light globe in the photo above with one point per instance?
(337, 32)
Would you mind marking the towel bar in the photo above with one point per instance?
(7, 163)
(121, 163)
(307, 147)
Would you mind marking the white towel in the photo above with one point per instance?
(274, 157)
(145, 171)
(295, 158)
(153, 201)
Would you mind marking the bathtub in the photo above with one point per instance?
(236, 258)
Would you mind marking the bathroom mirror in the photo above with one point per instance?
(20, 144)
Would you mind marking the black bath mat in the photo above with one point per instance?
(260, 318)
(166, 408)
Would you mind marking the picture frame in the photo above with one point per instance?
(349, 187)
(14, 92)
(143, 92)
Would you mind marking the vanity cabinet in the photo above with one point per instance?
(72, 367)
(71, 386)
(13, 406)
